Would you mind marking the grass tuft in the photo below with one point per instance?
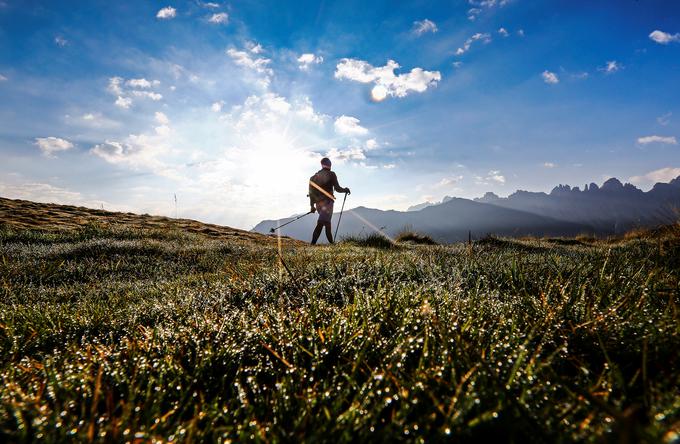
(374, 240)
(412, 237)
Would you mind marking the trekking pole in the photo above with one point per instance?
(289, 222)
(339, 218)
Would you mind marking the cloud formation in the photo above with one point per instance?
(657, 139)
(142, 83)
(220, 18)
(166, 13)
(664, 38)
(340, 156)
(661, 175)
(483, 37)
(349, 126)
(307, 59)
(496, 176)
(611, 67)
(387, 83)
(51, 145)
(493, 176)
(503, 32)
(124, 90)
(479, 6)
(3, 78)
(60, 41)
(251, 61)
(140, 151)
(421, 27)
(550, 77)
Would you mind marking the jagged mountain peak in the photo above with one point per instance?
(488, 197)
(612, 184)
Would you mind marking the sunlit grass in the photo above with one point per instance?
(115, 335)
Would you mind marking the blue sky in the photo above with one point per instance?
(230, 105)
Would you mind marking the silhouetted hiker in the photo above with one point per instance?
(321, 186)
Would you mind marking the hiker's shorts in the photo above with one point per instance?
(325, 210)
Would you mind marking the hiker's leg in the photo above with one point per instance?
(329, 233)
(317, 232)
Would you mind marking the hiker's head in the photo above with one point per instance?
(326, 163)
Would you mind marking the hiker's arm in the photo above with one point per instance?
(337, 186)
(311, 200)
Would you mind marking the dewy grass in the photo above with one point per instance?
(112, 337)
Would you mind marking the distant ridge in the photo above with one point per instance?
(612, 208)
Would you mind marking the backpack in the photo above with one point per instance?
(320, 178)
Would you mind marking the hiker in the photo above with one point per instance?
(321, 198)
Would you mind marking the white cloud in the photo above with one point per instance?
(349, 126)
(161, 118)
(611, 67)
(371, 144)
(550, 77)
(167, 13)
(664, 119)
(148, 94)
(216, 107)
(123, 89)
(389, 166)
(457, 64)
(549, 165)
(448, 181)
(259, 112)
(60, 41)
(483, 37)
(479, 6)
(51, 145)
(305, 110)
(3, 78)
(339, 156)
(421, 27)
(657, 139)
(141, 83)
(259, 65)
(123, 102)
(386, 82)
(141, 152)
(660, 175)
(220, 18)
(209, 5)
(115, 85)
(520, 32)
(307, 59)
(254, 47)
(496, 176)
(503, 32)
(664, 38)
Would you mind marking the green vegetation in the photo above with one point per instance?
(110, 334)
(372, 240)
(413, 237)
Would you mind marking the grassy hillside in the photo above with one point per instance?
(23, 214)
(111, 332)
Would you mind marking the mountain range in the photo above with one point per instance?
(612, 208)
